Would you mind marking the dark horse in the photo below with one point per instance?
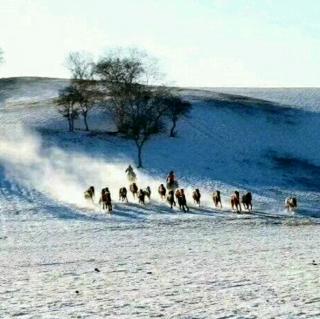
(196, 196)
(141, 196)
(291, 203)
(235, 202)
(162, 191)
(170, 199)
(247, 201)
(134, 189)
(123, 194)
(216, 197)
(182, 201)
(143, 193)
(105, 199)
(147, 192)
(89, 194)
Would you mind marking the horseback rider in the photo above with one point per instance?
(171, 177)
(130, 174)
(171, 181)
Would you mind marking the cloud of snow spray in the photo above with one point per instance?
(64, 176)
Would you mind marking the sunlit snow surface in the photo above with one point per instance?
(154, 262)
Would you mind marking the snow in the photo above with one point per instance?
(155, 262)
(302, 98)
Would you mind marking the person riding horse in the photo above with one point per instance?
(131, 174)
(172, 183)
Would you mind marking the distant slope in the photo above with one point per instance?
(29, 89)
(305, 98)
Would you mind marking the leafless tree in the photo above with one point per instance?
(67, 105)
(137, 107)
(81, 67)
(176, 108)
(143, 117)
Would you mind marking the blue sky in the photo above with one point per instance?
(197, 42)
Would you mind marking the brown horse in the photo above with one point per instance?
(182, 201)
(291, 203)
(162, 191)
(89, 194)
(170, 199)
(143, 193)
(105, 199)
(123, 194)
(134, 189)
(141, 196)
(247, 201)
(196, 196)
(216, 197)
(235, 202)
(147, 192)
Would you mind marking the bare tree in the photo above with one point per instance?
(143, 117)
(120, 72)
(81, 67)
(137, 107)
(176, 108)
(66, 104)
(86, 99)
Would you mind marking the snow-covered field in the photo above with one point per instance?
(154, 262)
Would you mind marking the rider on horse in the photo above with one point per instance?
(131, 174)
(171, 181)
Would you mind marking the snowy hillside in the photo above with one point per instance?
(244, 139)
(303, 98)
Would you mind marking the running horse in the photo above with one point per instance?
(123, 194)
(235, 202)
(291, 203)
(162, 191)
(134, 189)
(216, 197)
(182, 201)
(247, 201)
(170, 199)
(105, 199)
(196, 196)
(89, 194)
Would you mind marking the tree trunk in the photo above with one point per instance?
(70, 124)
(172, 132)
(85, 121)
(139, 146)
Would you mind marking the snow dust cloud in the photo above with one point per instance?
(63, 175)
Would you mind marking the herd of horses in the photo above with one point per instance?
(177, 196)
